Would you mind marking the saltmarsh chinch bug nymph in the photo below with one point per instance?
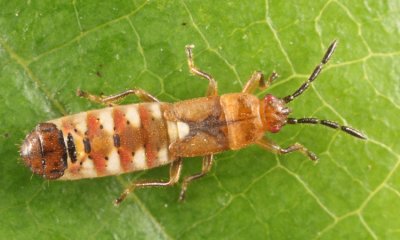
(127, 138)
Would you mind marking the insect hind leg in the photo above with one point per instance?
(112, 99)
(174, 174)
(212, 84)
(206, 167)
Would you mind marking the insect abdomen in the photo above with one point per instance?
(115, 140)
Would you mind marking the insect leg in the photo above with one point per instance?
(174, 174)
(110, 100)
(206, 167)
(212, 84)
(257, 80)
(275, 148)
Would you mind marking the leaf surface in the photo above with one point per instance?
(48, 50)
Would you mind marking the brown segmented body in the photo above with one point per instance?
(135, 137)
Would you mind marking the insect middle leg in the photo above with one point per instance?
(110, 100)
(275, 148)
(174, 174)
(212, 84)
(257, 81)
(206, 167)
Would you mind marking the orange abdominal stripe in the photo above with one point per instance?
(99, 141)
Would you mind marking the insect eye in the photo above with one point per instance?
(269, 99)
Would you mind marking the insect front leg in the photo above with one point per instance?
(257, 81)
(275, 148)
(212, 84)
(174, 174)
(206, 167)
(110, 100)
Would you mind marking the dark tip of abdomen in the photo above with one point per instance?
(44, 151)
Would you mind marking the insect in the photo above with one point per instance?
(127, 138)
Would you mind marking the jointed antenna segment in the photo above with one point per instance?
(328, 123)
(313, 75)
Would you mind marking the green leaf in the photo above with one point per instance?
(49, 49)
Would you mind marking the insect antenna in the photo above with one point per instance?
(314, 74)
(327, 123)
